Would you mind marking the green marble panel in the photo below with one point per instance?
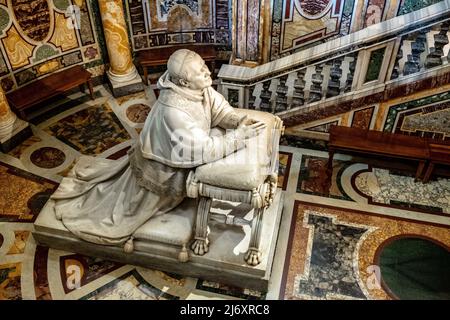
(44, 52)
(375, 62)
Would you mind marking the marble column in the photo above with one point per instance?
(12, 130)
(122, 73)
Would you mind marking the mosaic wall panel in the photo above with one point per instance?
(407, 6)
(39, 37)
(298, 23)
(157, 23)
(427, 117)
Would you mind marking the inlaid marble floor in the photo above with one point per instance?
(333, 230)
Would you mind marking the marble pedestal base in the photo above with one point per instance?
(223, 263)
(21, 132)
(123, 88)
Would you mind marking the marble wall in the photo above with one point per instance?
(424, 114)
(39, 37)
(298, 24)
(158, 23)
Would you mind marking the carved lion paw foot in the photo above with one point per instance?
(253, 257)
(200, 247)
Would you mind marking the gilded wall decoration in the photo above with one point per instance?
(17, 49)
(156, 23)
(64, 36)
(299, 23)
(43, 36)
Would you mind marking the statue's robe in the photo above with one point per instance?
(105, 201)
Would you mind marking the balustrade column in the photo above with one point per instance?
(251, 97)
(396, 71)
(334, 85)
(122, 73)
(413, 64)
(434, 58)
(281, 100)
(298, 97)
(315, 92)
(265, 96)
(351, 73)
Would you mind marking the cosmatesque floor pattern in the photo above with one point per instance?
(335, 230)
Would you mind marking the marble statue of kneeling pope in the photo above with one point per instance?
(104, 201)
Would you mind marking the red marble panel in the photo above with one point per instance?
(362, 118)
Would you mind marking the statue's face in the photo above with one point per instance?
(199, 76)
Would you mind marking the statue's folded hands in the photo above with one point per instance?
(246, 131)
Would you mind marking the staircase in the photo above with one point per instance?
(394, 58)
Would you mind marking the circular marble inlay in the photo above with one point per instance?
(137, 113)
(416, 269)
(47, 157)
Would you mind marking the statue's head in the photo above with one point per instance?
(186, 68)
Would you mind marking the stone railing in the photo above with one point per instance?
(366, 63)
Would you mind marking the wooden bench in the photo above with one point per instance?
(27, 97)
(377, 143)
(160, 56)
(439, 155)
